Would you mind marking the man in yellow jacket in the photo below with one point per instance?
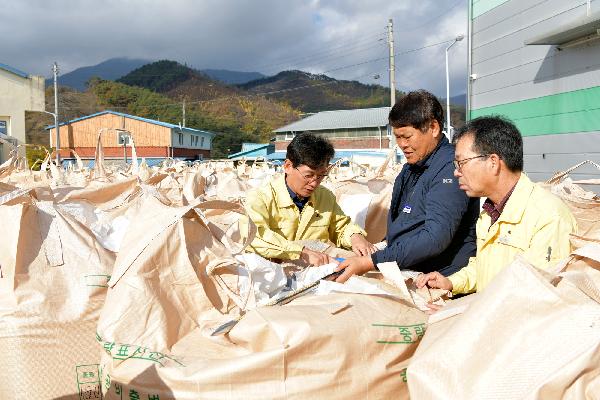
(295, 207)
(518, 217)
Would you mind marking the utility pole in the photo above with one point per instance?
(55, 71)
(123, 137)
(125, 150)
(183, 107)
(448, 126)
(392, 65)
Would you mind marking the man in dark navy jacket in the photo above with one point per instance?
(431, 222)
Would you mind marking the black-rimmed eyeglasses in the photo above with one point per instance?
(311, 177)
(458, 164)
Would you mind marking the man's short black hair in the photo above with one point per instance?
(417, 109)
(309, 149)
(495, 135)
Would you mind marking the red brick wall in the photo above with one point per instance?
(279, 146)
(347, 143)
(112, 152)
(190, 153)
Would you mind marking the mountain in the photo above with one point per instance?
(109, 69)
(230, 105)
(458, 109)
(234, 118)
(313, 93)
(247, 112)
(115, 68)
(73, 104)
(459, 100)
(166, 76)
(232, 77)
(160, 76)
(179, 82)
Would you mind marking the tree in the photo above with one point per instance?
(229, 143)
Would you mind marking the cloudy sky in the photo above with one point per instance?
(345, 39)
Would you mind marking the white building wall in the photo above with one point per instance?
(551, 93)
(17, 95)
(204, 141)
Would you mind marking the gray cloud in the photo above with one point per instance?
(342, 38)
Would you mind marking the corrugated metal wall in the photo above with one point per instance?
(84, 133)
(552, 95)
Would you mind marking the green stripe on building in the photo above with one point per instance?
(483, 6)
(569, 112)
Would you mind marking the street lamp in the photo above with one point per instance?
(448, 133)
(55, 73)
(57, 138)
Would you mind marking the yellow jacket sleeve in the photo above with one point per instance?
(550, 243)
(267, 243)
(465, 280)
(544, 241)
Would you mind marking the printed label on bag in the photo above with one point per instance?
(122, 351)
(401, 334)
(97, 280)
(403, 375)
(122, 392)
(88, 382)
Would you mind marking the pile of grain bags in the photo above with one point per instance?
(175, 280)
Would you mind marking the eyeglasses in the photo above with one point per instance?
(309, 178)
(458, 164)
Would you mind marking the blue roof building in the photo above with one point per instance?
(250, 151)
(152, 138)
(362, 134)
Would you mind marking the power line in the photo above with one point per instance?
(306, 59)
(325, 57)
(257, 94)
(363, 38)
(313, 56)
(385, 58)
(333, 56)
(198, 102)
(434, 67)
(417, 27)
(347, 49)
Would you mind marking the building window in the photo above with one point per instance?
(180, 138)
(202, 142)
(3, 129)
(348, 133)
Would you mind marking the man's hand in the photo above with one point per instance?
(434, 280)
(354, 265)
(433, 308)
(361, 246)
(315, 258)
